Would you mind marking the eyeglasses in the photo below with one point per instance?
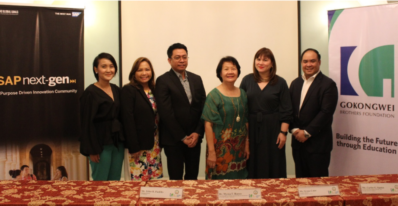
(179, 57)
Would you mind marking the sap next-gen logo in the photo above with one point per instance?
(375, 66)
(76, 14)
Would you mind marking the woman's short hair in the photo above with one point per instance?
(63, 171)
(103, 56)
(136, 66)
(221, 63)
(23, 167)
(265, 52)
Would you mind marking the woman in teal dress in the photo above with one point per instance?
(226, 125)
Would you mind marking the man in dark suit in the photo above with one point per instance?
(314, 100)
(180, 98)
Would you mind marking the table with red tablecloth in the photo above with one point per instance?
(69, 192)
(275, 192)
(349, 189)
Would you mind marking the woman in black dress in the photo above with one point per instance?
(270, 112)
(102, 136)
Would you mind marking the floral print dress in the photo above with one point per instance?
(229, 134)
(149, 165)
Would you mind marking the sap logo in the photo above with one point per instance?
(76, 14)
(374, 67)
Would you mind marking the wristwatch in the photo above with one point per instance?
(306, 134)
(285, 133)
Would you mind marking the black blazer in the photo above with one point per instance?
(138, 119)
(178, 117)
(316, 114)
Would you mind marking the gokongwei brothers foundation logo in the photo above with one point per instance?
(375, 67)
(376, 79)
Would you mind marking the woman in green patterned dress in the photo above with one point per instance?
(226, 125)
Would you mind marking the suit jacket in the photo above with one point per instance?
(316, 113)
(138, 119)
(178, 117)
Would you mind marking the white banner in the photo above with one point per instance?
(363, 58)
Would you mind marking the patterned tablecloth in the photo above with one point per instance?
(69, 192)
(349, 189)
(274, 192)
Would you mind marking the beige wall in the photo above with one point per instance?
(211, 30)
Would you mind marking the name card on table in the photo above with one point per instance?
(379, 188)
(239, 194)
(161, 192)
(318, 190)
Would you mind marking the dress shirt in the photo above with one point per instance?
(306, 85)
(185, 84)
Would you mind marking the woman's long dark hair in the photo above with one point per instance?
(63, 171)
(14, 173)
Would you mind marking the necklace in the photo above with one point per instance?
(237, 117)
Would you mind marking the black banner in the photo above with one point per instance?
(41, 80)
(41, 72)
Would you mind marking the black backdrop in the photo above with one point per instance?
(41, 72)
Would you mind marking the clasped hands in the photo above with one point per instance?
(191, 140)
(299, 134)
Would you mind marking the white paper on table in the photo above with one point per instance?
(318, 190)
(239, 194)
(161, 192)
(378, 188)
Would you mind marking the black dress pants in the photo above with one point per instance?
(179, 155)
(311, 164)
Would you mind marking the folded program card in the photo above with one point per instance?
(161, 192)
(379, 188)
(239, 194)
(318, 190)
